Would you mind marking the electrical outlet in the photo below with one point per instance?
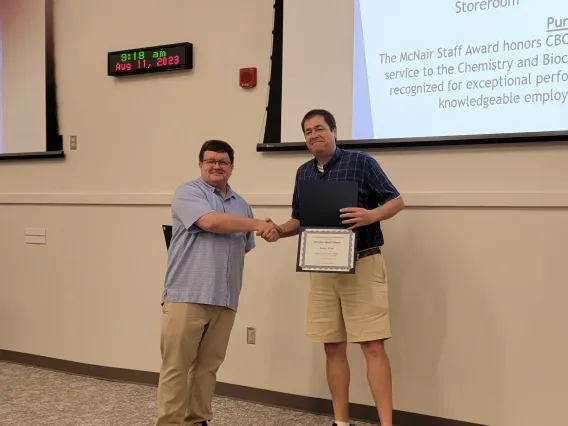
(251, 335)
(73, 142)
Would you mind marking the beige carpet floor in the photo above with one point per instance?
(30, 396)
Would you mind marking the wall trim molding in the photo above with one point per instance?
(260, 396)
(412, 199)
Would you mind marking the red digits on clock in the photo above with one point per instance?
(170, 60)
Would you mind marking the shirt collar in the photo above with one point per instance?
(334, 159)
(211, 188)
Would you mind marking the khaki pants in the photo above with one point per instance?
(350, 307)
(194, 340)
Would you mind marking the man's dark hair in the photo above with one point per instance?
(327, 116)
(217, 146)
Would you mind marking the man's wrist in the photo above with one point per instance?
(376, 215)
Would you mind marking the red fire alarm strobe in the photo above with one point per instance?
(247, 77)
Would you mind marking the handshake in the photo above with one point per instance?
(268, 230)
(353, 217)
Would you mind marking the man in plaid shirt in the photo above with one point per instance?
(346, 308)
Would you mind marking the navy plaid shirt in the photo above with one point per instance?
(375, 188)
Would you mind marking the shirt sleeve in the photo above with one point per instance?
(296, 198)
(250, 244)
(189, 204)
(379, 182)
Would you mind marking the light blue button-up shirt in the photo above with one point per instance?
(205, 267)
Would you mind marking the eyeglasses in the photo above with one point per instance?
(222, 163)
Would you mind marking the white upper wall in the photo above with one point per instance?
(142, 134)
(22, 79)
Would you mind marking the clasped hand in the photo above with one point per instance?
(271, 233)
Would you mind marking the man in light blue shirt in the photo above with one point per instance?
(212, 229)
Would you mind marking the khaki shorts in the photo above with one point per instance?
(350, 307)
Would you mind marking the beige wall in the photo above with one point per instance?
(476, 262)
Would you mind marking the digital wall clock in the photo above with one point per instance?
(147, 60)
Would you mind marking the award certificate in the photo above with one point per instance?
(326, 250)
